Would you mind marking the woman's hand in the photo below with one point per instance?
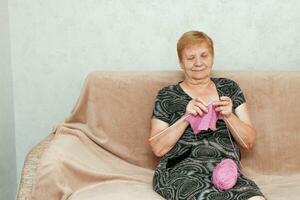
(224, 106)
(195, 107)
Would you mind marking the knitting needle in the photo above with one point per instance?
(202, 101)
(158, 134)
(240, 138)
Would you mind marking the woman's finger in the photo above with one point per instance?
(223, 112)
(221, 103)
(225, 98)
(199, 99)
(199, 111)
(194, 112)
(218, 109)
(201, 106)
(221, 108)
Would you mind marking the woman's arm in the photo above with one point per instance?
(240, 124)
(164, 143)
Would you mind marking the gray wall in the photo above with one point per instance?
(7, 136)
(55, 44)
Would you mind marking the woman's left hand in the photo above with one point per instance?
(224, 106)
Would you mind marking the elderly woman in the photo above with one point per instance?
(187, 160)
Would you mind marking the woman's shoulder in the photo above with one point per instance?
(169, 90)
(171, 87)
(224, 81)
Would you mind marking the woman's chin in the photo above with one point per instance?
(200, 74)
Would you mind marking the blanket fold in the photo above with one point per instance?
(100, 150)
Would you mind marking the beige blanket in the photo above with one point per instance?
(100, 152)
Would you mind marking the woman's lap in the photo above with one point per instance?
(186, 182)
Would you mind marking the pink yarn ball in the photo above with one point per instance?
(225, 175)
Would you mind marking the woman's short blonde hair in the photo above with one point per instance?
(192, 38)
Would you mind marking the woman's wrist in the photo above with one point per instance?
(183, 118)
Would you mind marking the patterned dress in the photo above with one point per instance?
(185, 172)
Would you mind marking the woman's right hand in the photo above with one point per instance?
(196, 106)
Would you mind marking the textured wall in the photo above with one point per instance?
(56, 43)
(8, 181)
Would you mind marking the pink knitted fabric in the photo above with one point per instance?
(225, 175)
(205, 122)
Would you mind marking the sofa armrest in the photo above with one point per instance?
(30, 167)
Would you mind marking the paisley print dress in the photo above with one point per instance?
(185, 172)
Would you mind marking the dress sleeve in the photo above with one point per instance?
(161, 106)
(237, 96)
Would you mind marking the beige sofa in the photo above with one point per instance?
(273, 101)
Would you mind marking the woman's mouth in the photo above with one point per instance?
(199, 69)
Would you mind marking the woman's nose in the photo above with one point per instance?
(198, 61)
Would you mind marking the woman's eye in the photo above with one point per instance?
(204, 55)
(190, 58)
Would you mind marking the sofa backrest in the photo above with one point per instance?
(118, 108)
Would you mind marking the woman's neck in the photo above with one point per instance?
(197, 84)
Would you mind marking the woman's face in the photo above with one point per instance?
(197, 61)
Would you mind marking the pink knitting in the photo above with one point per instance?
(205, 122)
